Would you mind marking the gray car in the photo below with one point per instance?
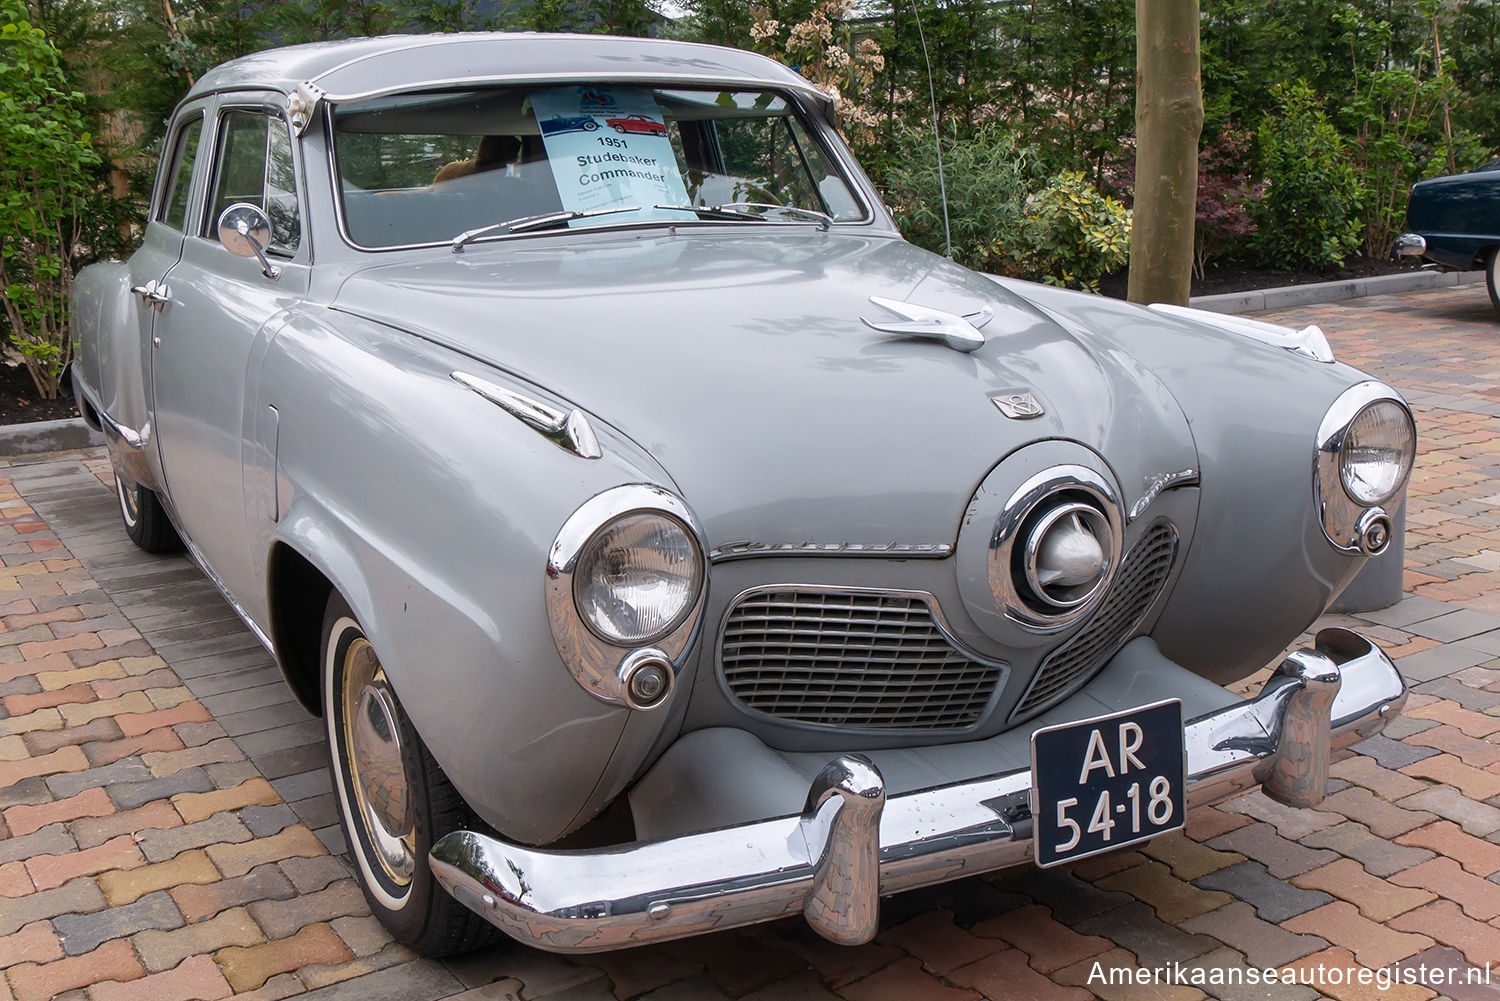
(669, 545)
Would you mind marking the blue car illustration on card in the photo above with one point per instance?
(574, 123)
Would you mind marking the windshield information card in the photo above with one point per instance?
(608, 148)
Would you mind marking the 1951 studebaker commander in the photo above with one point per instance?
(669, 545)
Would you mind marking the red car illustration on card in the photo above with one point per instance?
(637, 124)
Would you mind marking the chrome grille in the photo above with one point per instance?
(1135, 590)
(866, 660)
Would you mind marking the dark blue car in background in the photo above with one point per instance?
(1454, 222)
(573, 123)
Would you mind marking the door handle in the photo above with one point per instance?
(154, 294)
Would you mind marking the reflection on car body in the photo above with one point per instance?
(664, 500)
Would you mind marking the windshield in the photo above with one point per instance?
(428, 168)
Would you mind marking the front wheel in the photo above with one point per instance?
(1492, 277)
(394, 800)
(145, 519)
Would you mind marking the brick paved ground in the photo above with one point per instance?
(165, 818)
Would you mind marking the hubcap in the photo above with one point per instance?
(130, 503)
(376, 764)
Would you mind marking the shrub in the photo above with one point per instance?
(45, 162)
(1226, 195)
(1072, 235)
(990, 178)
(1310, 215)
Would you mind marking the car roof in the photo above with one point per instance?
(371, 67)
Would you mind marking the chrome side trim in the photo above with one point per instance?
(1158, 483)
(631, 894)
(604, 669)
(569, 430)
(1342, 517)
(135, 439)
(1308, 341)
(903, 550)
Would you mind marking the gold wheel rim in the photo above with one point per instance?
(378, 780)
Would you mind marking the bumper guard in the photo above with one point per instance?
(852, 845)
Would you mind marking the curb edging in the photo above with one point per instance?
(1353, 288)
(47, 436)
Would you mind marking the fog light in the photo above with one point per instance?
(1374, 532)
(648, 679)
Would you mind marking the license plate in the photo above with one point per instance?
(1103, 783)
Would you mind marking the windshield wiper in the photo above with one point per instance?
(743, 211)
(528, 223)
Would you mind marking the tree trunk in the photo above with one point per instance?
(1168, 119)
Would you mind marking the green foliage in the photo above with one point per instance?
(1071, 234)
(989, 177)
(45, 181)
(1309, 216)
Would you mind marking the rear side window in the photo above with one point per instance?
(174, 201)
(255, 166)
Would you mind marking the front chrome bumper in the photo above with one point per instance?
(852, 845)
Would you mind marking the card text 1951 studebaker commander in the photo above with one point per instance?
(669, 545)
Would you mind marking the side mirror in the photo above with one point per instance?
(245, 231)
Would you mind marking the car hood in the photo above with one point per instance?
(741, 363)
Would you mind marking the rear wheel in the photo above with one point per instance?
(1492, 277)
(145, 519)
(394, 800)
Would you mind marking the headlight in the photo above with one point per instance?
(625, 586)
(1365, 448)
(1377, 452)
(638, 578)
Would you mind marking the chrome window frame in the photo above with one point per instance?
(837, 153)
(272, 105)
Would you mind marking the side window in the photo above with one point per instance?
(255, 166)
(174, 200)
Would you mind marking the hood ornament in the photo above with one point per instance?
(961, 333)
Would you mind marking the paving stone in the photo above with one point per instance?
(82, 933)
(1282, 858)
(1263, 944)
(1336, 972)
(247, 968)
(1273, 899)
(305, 785)
(900, 981)
(1462, 982)
(1478, 897)
(318, 975)
(419, 981)
(1445, 922)
(1136, 927)
(80, 896)
(196, 979)
(282, 918)
(189, 867)
(157, 815)
(1050, 945)
(26, 819)
(1449, 770)
(1187, 858)
(199, 902)
(1403, 727)
(1289, 823)
(162, 950)
(1226, 975)
(1470, 698)
(47, 741)
(202, 805)
(1369, 773)
(236, 860)
(263, 821)
(160, 845)
(34, 943)
(48, 871)
(1385, 820)
(227, 774)
(1373, 945)
(1377, 899)
(125, 770)
(50, 840)
(133, 794)
(1471, 750)
(113, 961)
(1445, 801)
(309, 874)
(1393, 754)
(1408, 610)
(164, 763)
(1378, 856)
(25, 792)
(106, 752)
(1439, 662)
(1446, 838)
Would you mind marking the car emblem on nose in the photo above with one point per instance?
(1019, 406)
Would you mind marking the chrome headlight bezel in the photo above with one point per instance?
(1352, 525)
(602, 665)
